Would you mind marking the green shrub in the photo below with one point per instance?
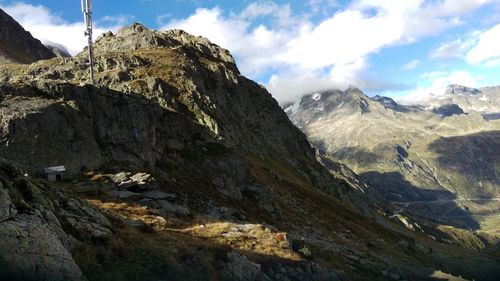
(305, 251)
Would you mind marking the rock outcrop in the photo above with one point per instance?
(17, 45)
(159, 94)
(34, 244)
(448, 110)
(461, 90)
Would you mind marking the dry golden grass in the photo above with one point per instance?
(257, 240)
(132, 212)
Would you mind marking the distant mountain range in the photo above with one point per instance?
(444, 150)
(484, 100)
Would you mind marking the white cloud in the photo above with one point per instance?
(51, 29)
(255, 46)
(119, 20)
(411, 65)
(433, 74)
(303, 55)
(322, 6)
(438, 82)
(281, 13)
(487, 50)
(330, 53)
(452, 49)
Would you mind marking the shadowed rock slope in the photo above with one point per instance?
(179, 168)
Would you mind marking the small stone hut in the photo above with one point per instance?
(55, 173)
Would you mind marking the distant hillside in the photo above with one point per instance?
(17, 45)
(409, 154)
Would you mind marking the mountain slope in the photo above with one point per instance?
(180, 168)
(17, 45)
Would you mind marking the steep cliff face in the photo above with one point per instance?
(17, 45)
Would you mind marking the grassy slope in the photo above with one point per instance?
(355, 242)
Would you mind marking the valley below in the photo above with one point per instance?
(469, 213)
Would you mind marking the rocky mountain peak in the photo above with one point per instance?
(17, 45)
(455, 89)
(328, 103)
(386, 101)
(137, 36)
(491, 90)
(390, 103)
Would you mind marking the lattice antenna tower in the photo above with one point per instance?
(87, 15)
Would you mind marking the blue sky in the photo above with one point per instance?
(404, 49)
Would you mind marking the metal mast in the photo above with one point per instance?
(87, 15)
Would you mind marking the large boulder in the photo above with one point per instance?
(30, 250)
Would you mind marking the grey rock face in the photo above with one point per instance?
(38, 226)
(31, 251)
(111, 123)
(264, 199)
(170, 208)
(17, 45)
(157, 195)
(33, 245)
(238, 267)
(459, 89)
(7, 209)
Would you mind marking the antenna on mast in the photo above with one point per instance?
(87, 15)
